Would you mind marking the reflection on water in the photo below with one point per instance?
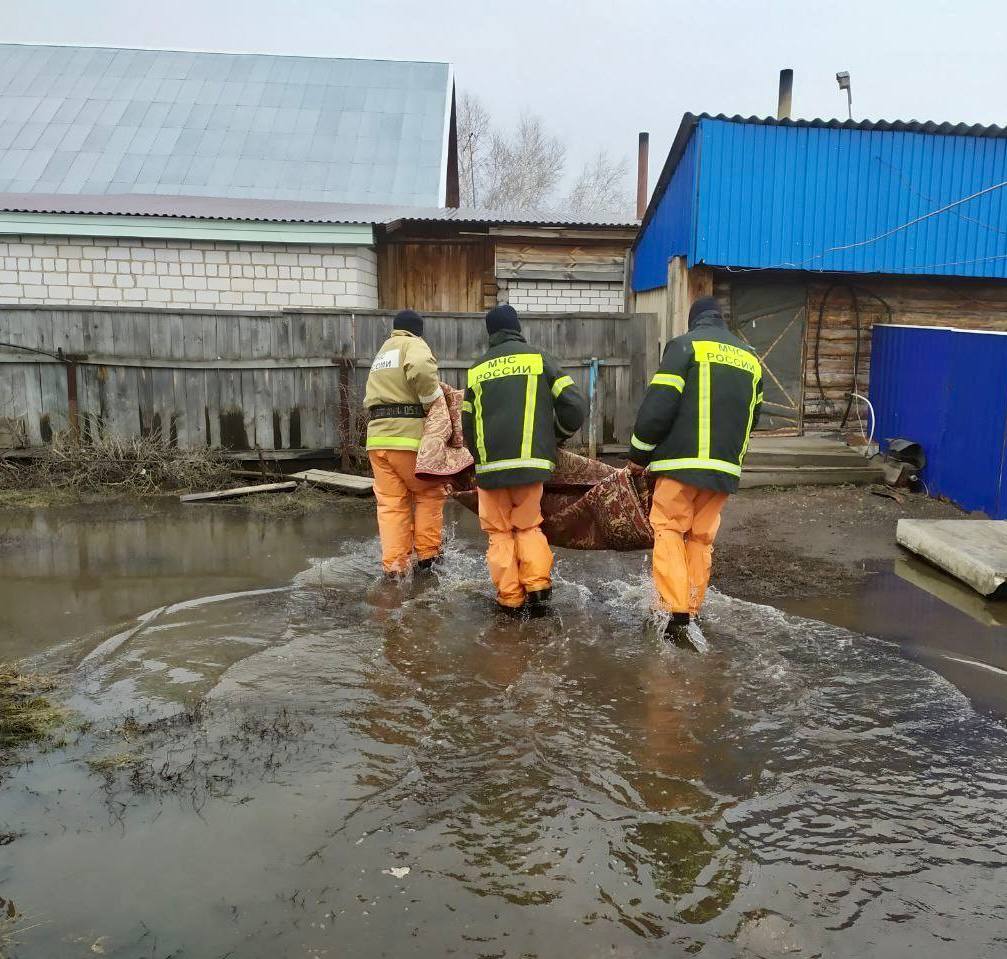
(565, 786)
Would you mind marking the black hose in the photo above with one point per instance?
(818, 341)
(31, 349)
(856, 359)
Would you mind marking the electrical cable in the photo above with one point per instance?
(32, 349)
(818, 341)
(901, 226)
(856, 358)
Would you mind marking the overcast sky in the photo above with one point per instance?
(599, 71)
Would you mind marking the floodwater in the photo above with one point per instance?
(386, 770)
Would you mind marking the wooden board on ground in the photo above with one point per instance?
(344, 482)
(237, 491)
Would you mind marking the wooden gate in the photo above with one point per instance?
(771, 316)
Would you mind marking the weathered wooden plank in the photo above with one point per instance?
(340, 481)
(237, 491)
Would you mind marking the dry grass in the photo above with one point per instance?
(26, 715)
(104, 464)
(112, 764)
(304, 499)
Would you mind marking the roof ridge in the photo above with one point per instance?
(225, 53)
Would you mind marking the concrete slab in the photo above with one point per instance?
(974, 551)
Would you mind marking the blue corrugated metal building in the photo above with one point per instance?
(813, 232)
(812, 195)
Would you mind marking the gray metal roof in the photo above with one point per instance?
(96, 120)
(275, 211)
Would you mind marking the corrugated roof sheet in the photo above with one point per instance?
(273, 211)
(898, 198)
(690, 120)
(96, 120)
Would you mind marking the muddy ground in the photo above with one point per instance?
(808, 541)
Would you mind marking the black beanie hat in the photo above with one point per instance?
(502, 317)
(705, 304)
(410, 321)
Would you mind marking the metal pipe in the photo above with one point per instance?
(785, 101)
(592, 403)
(642, 164)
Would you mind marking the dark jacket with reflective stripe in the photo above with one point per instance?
(700, 408)
(518, 402)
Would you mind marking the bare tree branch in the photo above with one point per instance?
(601, 190)
(473, 144)
(521, 170)
(524, 168)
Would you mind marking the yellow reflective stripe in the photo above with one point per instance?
(561, 384)
(466, 406)
(514, 364)
(392, 442)
(696, 463)
(528, 429)
(640, 445)
(480, 435)
(708, 351)
(756, 397)
(517, 464)
(704, 411)
(668, 379)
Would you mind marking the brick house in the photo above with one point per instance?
(253, 182)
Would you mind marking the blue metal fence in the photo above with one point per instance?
(947, 390)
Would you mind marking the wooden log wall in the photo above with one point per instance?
(275, 381)
(964, 304)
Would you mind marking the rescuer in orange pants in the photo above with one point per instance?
(518, 556)
(691, 435)
(410, 510)
(401, 386)
(685, 520)
(519, 407)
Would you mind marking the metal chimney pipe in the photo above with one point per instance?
(643, 158)
(785, 102)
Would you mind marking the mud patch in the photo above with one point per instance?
(810, 541)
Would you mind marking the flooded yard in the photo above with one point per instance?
(276, 753)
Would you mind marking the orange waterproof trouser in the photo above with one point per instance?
(518, 556)
(685, 520)
(410, 510)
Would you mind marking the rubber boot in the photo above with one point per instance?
(677, 630)
(540, 602)
(429, 565)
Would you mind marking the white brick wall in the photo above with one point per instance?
(553, 296)
(179, 273)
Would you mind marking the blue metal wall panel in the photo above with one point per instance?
(782, 197)
(947, 390)
(670, 230)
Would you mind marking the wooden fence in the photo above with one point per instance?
(290, 381)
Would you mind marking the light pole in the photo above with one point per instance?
(843, 79)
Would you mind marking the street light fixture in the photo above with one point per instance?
(843, 79)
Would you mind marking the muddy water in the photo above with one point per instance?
(390, 771)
